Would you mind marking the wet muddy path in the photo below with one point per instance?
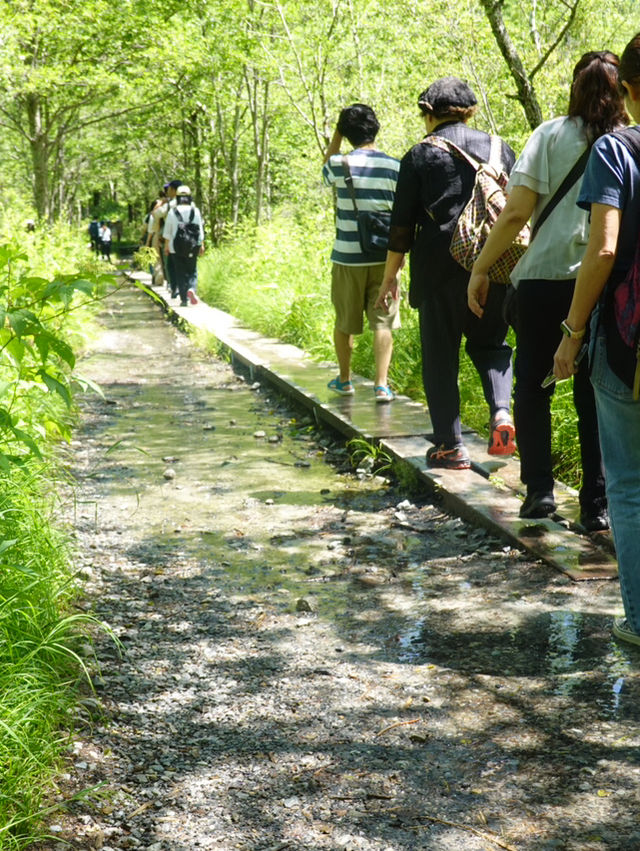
(313, 659)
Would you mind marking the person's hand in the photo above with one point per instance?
(477, 292)
(389, 291)
(201, 250)
(564, 360)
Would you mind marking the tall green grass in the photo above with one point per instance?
(39, 631)
(39, 666)
(276, 279)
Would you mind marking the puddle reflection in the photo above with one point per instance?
(570, 650)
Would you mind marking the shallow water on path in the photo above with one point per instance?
(312, 659)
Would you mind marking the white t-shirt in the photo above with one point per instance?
(549, 155)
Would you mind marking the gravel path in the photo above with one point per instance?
(311, 659)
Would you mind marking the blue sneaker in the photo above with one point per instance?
(342, 388)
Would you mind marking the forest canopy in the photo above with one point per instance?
(101, 103)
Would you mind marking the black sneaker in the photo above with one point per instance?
(595, 520)
(448, 457)
(538, 505)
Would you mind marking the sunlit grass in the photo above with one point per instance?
(39, 663)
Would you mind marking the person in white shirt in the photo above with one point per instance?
(184, 243)
(545, 279)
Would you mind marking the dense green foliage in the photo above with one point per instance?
(46, 277)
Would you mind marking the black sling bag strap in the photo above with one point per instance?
(349, 181)
(576, 171)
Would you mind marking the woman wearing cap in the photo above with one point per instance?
(545, 279)
(610, 191)
(184, 243)
(434, 185)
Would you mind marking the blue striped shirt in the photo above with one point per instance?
(374, 180)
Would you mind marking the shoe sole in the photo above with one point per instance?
(502, 440)
(192, 297)
(448, 465)
(341, 392)
(625, 635)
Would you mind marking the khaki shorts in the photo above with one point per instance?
(354, 290)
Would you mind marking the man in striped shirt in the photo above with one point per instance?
(356, 276)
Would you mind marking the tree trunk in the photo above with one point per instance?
(526, 92)
(39, 156)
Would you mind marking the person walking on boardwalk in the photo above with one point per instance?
(105, 241)
(356, 274)
(94, 234)
(544, 186)
(610, 191)
(434, 185)
(160, 213)
(184, 241)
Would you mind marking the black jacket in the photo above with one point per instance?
(433, 188)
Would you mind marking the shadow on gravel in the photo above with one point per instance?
(309, 664)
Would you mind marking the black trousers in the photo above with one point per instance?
(541, 306)
(184, 274)
(444, 319)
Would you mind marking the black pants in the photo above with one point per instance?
(185, 274)
(444, 318)
(542, 305)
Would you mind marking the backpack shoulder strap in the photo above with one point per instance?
(192, 215)
(177, 212)
(495, 154)
(630, 138)
(446, 145)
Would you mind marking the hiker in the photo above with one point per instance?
(94, 235)
(544, 186)
(184, 242)
(171, 189)
(105, 241)
(357, 273)
(434, 185)
(609, 192)
(155, 226)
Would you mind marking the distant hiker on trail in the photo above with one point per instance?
(105, 241)
(163, 211)
(184, 243)
(154, 228)
(94, 235)
(365, 181)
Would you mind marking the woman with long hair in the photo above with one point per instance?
(545, 280)
(611, 193)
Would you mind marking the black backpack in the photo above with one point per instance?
(187, 238)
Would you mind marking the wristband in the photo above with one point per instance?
(568, 331)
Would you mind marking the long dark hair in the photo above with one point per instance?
(595, 93)
(630, 62)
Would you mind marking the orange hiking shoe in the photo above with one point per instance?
(502, 438)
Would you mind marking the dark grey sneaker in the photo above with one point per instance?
(448, 457)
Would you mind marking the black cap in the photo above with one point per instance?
(445, 93)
